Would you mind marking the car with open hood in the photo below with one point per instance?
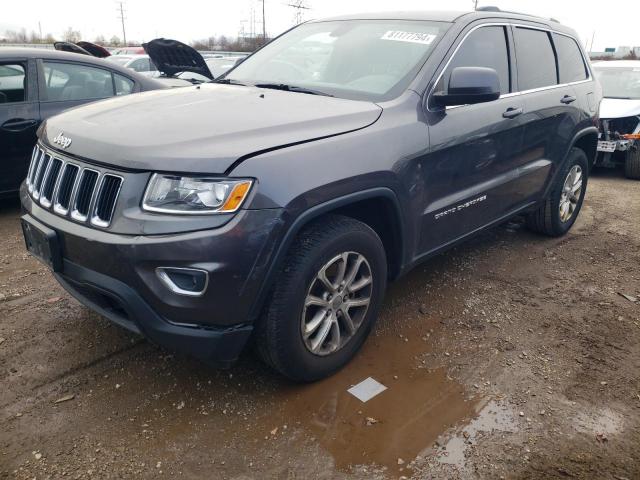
(276, 202)
(177, 63)
(36, 84)
(619, 143)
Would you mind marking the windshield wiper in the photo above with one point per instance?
(291, 88)
(618, 98)
(228, 81)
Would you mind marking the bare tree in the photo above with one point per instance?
(115, 41)
(100, 40)
(71, 35)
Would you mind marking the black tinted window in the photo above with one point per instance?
(12, 83)
(536, 59)
(485, 47)
(570, 61)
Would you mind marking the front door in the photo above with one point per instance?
(469, 172)
(19, 119)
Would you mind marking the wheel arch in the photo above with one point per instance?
(587, 141)
(379, 208)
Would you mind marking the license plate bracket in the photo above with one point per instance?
(42, 242)
(606, 146)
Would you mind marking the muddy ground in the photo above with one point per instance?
(512, 356)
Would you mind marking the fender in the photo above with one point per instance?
(314, 212)
(581, 134)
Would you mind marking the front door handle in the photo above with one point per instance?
(18, 124)
(567, 99)
(513, 112)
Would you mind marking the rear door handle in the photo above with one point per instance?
(17, 124)
(567, 99)
(513, 112)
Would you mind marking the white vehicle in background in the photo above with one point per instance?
(137, 63)
(619, 142)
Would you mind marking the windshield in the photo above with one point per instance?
(356, 59)
(619, 82)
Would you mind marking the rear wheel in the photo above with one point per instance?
(558, 213)
(632, 163)
(325, 301)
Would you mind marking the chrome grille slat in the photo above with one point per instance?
(82, 193)
(65, 189)
(50, 181)
(106, 200)
(42, 171)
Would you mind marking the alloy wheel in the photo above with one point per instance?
(571, 193)
(336, 303)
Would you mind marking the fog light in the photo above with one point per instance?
(184, 281)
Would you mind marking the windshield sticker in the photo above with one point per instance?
(411, 37)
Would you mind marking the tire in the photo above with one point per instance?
(632, 163)
(279, 333)
(547, 219)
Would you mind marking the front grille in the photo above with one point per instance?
(83, 193)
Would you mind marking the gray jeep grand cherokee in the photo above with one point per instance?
(275, 203)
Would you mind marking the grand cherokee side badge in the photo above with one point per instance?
(61, 140)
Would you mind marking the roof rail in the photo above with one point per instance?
(496, 9)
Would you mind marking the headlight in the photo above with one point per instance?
(194, 195)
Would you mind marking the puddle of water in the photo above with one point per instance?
(399, 423)
(490, 417)
(602, 422)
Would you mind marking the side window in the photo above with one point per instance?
(13, 82)
(536, 59)
(124, 86)
(68, 81)
(140, 65)
(570, 60)
(485, 47)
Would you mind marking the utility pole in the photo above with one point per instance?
(264, 24)
(122, 18)
(40, 29)
(299, 5)
(593, 39)
(475, 4)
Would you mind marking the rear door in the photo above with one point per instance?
(65, 85)
(19, 119)
(551, 103)
(469, 175)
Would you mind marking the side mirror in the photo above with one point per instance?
(468, 86)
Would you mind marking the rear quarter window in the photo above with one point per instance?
(536, 59)
(570, 60)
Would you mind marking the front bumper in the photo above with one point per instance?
(122, 305)
(115, 275)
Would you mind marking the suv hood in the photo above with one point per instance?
(202, 129)
(172, 57)
(619, 108)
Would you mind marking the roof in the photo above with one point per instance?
(452, 16)
(617, 64)
(432, 15)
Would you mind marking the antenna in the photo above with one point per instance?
(122, 18)
(300, 6)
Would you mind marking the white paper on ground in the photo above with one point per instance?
(367, 389)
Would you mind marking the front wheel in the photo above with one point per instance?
(558, 213)
(325, 301)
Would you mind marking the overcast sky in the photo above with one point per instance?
(615, 22)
